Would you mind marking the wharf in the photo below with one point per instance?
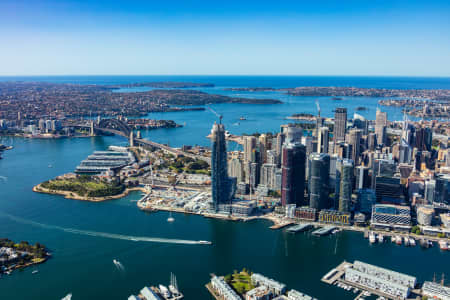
(281, 225)
(324, 230)
(299, 228)
(337, 275)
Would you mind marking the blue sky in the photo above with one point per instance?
(409, 38)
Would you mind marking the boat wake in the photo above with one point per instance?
(103, 234)
(3, 178)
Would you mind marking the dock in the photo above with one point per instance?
(324, 230)
(281, 225)
(299, 228)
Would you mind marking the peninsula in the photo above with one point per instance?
(336, 92)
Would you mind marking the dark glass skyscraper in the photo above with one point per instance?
(293, 174)
(346, 185)
(221, 185)
(318, 180)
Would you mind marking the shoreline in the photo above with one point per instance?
(71, 195)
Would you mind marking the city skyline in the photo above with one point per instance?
(389, 38)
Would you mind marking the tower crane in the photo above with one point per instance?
(217, 115)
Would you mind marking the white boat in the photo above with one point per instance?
(412, 242)
(406, 239)
(398, 240)
(380, 238)
(116, 262)
(170, 219)
(443, 245)
(205, 242)
(67, 297)
(34, 272)
(372, 238)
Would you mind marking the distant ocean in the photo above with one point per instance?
(256, 81)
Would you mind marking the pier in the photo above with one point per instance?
(299, 228)
(324, 231)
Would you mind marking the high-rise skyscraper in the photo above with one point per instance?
(380, 126)
(340, 124)
(318, 180)
(355, 141)
(371, 141)
(424, 137)
(322, 140)
(249, 148)
(362, 177)
(293, 174)
(346, 185)
(221, 184)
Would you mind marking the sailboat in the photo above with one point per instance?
(170, 219)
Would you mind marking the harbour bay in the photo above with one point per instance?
(82, 264)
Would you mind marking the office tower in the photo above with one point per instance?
(272, 157)
(346, 185)
(380, 127)
(430, 188)
(442, 190)
(236, 169)
(307, 142)
(424, 137)
(404, 152)
(371, 141)
(337, 182)
(263, 147)
(254, 174)
(389, 190)
(319, 124)
(355, 141)
(366, 199)
(318, 180)
(293, 174)
(361, 123)
(249, 148)
(279, 145)
(268, 175)
(362, 177)
(293, 134)
(340, 124)
(344, 150)
(322, 140)
(221, 185)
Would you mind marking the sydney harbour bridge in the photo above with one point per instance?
(121, 128)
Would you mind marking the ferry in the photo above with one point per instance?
(372, 237)
(68, 297)
(443, 245)
(205, 242)
(380, 238)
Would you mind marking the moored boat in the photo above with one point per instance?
(372, 238)
(443, 245)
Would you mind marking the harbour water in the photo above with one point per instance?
(82, 263)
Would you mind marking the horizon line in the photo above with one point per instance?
(226, 75)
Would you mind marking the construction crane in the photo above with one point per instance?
(217, 115)
(318, 107)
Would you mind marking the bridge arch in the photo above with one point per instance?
(116, 125)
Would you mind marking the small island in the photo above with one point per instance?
(15, 256)
(83, 187)
(302, 116)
